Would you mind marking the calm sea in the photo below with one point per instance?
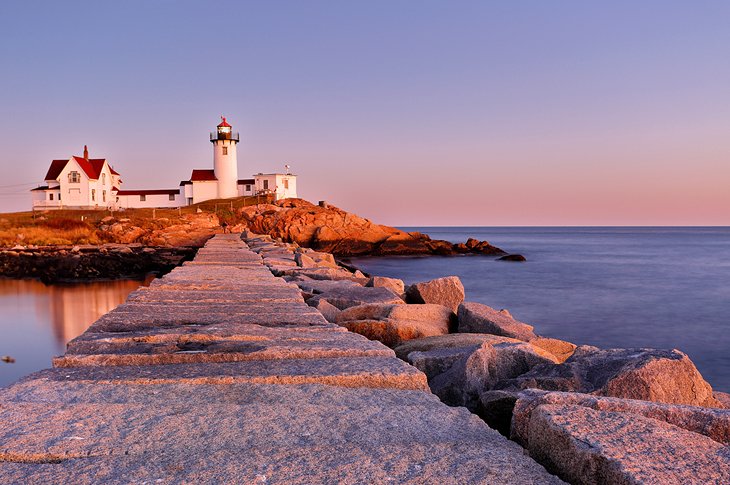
(609, 287)
(37, 320)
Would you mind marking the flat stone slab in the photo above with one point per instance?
(130, 321)
(75, 432)
(372, 371)
(187, 345)
(214, 296)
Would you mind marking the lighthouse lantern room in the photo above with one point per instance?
(225, 159)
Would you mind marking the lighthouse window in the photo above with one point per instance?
(225, 150)
(74, 178)
(266, 185)
(286, 183)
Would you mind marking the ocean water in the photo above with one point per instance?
(614, 287)
(36, 321)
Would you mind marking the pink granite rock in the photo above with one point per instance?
(447, 291)
(586, 446)
(478, 318)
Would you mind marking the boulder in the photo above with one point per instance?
(559, 348)
(478, 369)
(647, 374)
(447, 291)
(452, 340)
(582, 445)
(723, 398)
(513, 257)
(393, 324)
(478, 318)
(395, 285)
(328, 311)
(357, 295)
(713, 423)
(304, 261)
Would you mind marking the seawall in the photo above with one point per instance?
(220, 372)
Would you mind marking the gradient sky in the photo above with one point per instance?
(409, 113)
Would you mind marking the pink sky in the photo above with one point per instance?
(409, 114)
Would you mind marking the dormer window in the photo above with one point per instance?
(74, 177)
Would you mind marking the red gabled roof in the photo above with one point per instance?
(201, 175)
(114, 172)
(224, 123)
(92, 167)
(246, 182)
(149, 192)
(55, 169)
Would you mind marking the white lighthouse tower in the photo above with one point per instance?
(225, 160)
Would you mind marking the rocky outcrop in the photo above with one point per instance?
(667, 376)
(478, 318)
(448, 291)
(78, 263)
(394, 324)
(336, 231)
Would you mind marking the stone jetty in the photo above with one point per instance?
(219, 372)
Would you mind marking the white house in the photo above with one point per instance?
(79, 182)
(83, 183)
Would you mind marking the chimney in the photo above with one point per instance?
(86, 153)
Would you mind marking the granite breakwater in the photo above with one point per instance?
(220, 372)
(246, 365)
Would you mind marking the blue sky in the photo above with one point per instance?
(410, 113)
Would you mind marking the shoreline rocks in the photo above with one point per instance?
(333, 230)
(84, 263)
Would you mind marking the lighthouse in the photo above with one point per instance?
(225, 160)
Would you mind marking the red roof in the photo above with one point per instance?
(55, 169)
(186, 182)
(200, 175)
(246, 182)
(114, 172)
(91, 167)
(224, 123)
(149, 192)
(44, 187)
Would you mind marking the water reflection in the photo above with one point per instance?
(36, 321)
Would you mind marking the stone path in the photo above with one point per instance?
(220, 373)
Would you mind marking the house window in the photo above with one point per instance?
(248, 187)
(74, 177)
(286, 183)
(266, 185)
(50, 196)
(103, 195)
(93, 194)
(172, 196)
(59, 196)
(142, 198)
(225, 150)
(103, 179)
